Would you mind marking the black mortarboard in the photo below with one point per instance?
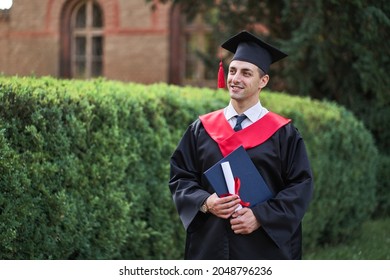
(247, 47)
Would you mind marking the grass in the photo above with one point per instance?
(373, 244)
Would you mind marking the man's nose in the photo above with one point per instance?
(236, 78)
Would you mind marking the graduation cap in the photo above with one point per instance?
(247, 47)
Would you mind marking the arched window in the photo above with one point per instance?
(82, 40)
(87, 40)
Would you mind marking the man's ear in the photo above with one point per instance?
(263, 81)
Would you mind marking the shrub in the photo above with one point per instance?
(87, 165)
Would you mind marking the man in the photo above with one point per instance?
(267, 230)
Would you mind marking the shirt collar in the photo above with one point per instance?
(254, 113)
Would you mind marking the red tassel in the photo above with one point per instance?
(221, 76)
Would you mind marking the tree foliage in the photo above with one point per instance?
(339, 53)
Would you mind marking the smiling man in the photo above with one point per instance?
(267, 230)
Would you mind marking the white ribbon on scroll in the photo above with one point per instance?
(227, 172)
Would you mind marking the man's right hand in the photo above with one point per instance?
(222, 207)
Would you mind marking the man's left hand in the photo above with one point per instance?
(244, 221)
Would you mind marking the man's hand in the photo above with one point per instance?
(222, 207)
(244, 221)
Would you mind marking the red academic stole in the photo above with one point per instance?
(228, 140)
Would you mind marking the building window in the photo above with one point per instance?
(86, 40)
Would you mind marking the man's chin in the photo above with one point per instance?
(236, 95)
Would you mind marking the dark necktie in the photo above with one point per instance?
(240, 119)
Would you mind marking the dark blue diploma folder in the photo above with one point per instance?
(253, 188)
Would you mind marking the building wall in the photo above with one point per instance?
(30, 47)
(136, 39)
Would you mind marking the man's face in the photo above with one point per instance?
(244, 82)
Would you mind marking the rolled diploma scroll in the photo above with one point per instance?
(227, 172)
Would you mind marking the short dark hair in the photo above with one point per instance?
(261, 72)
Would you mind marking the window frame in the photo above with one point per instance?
(69, 33)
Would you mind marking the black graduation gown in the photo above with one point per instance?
(282, 160)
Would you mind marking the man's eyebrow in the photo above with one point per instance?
(246, 70)
(243, 69)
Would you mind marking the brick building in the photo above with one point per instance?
(119, 39)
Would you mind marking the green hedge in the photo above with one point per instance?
(84, 167)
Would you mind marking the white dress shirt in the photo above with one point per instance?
(253, 114)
